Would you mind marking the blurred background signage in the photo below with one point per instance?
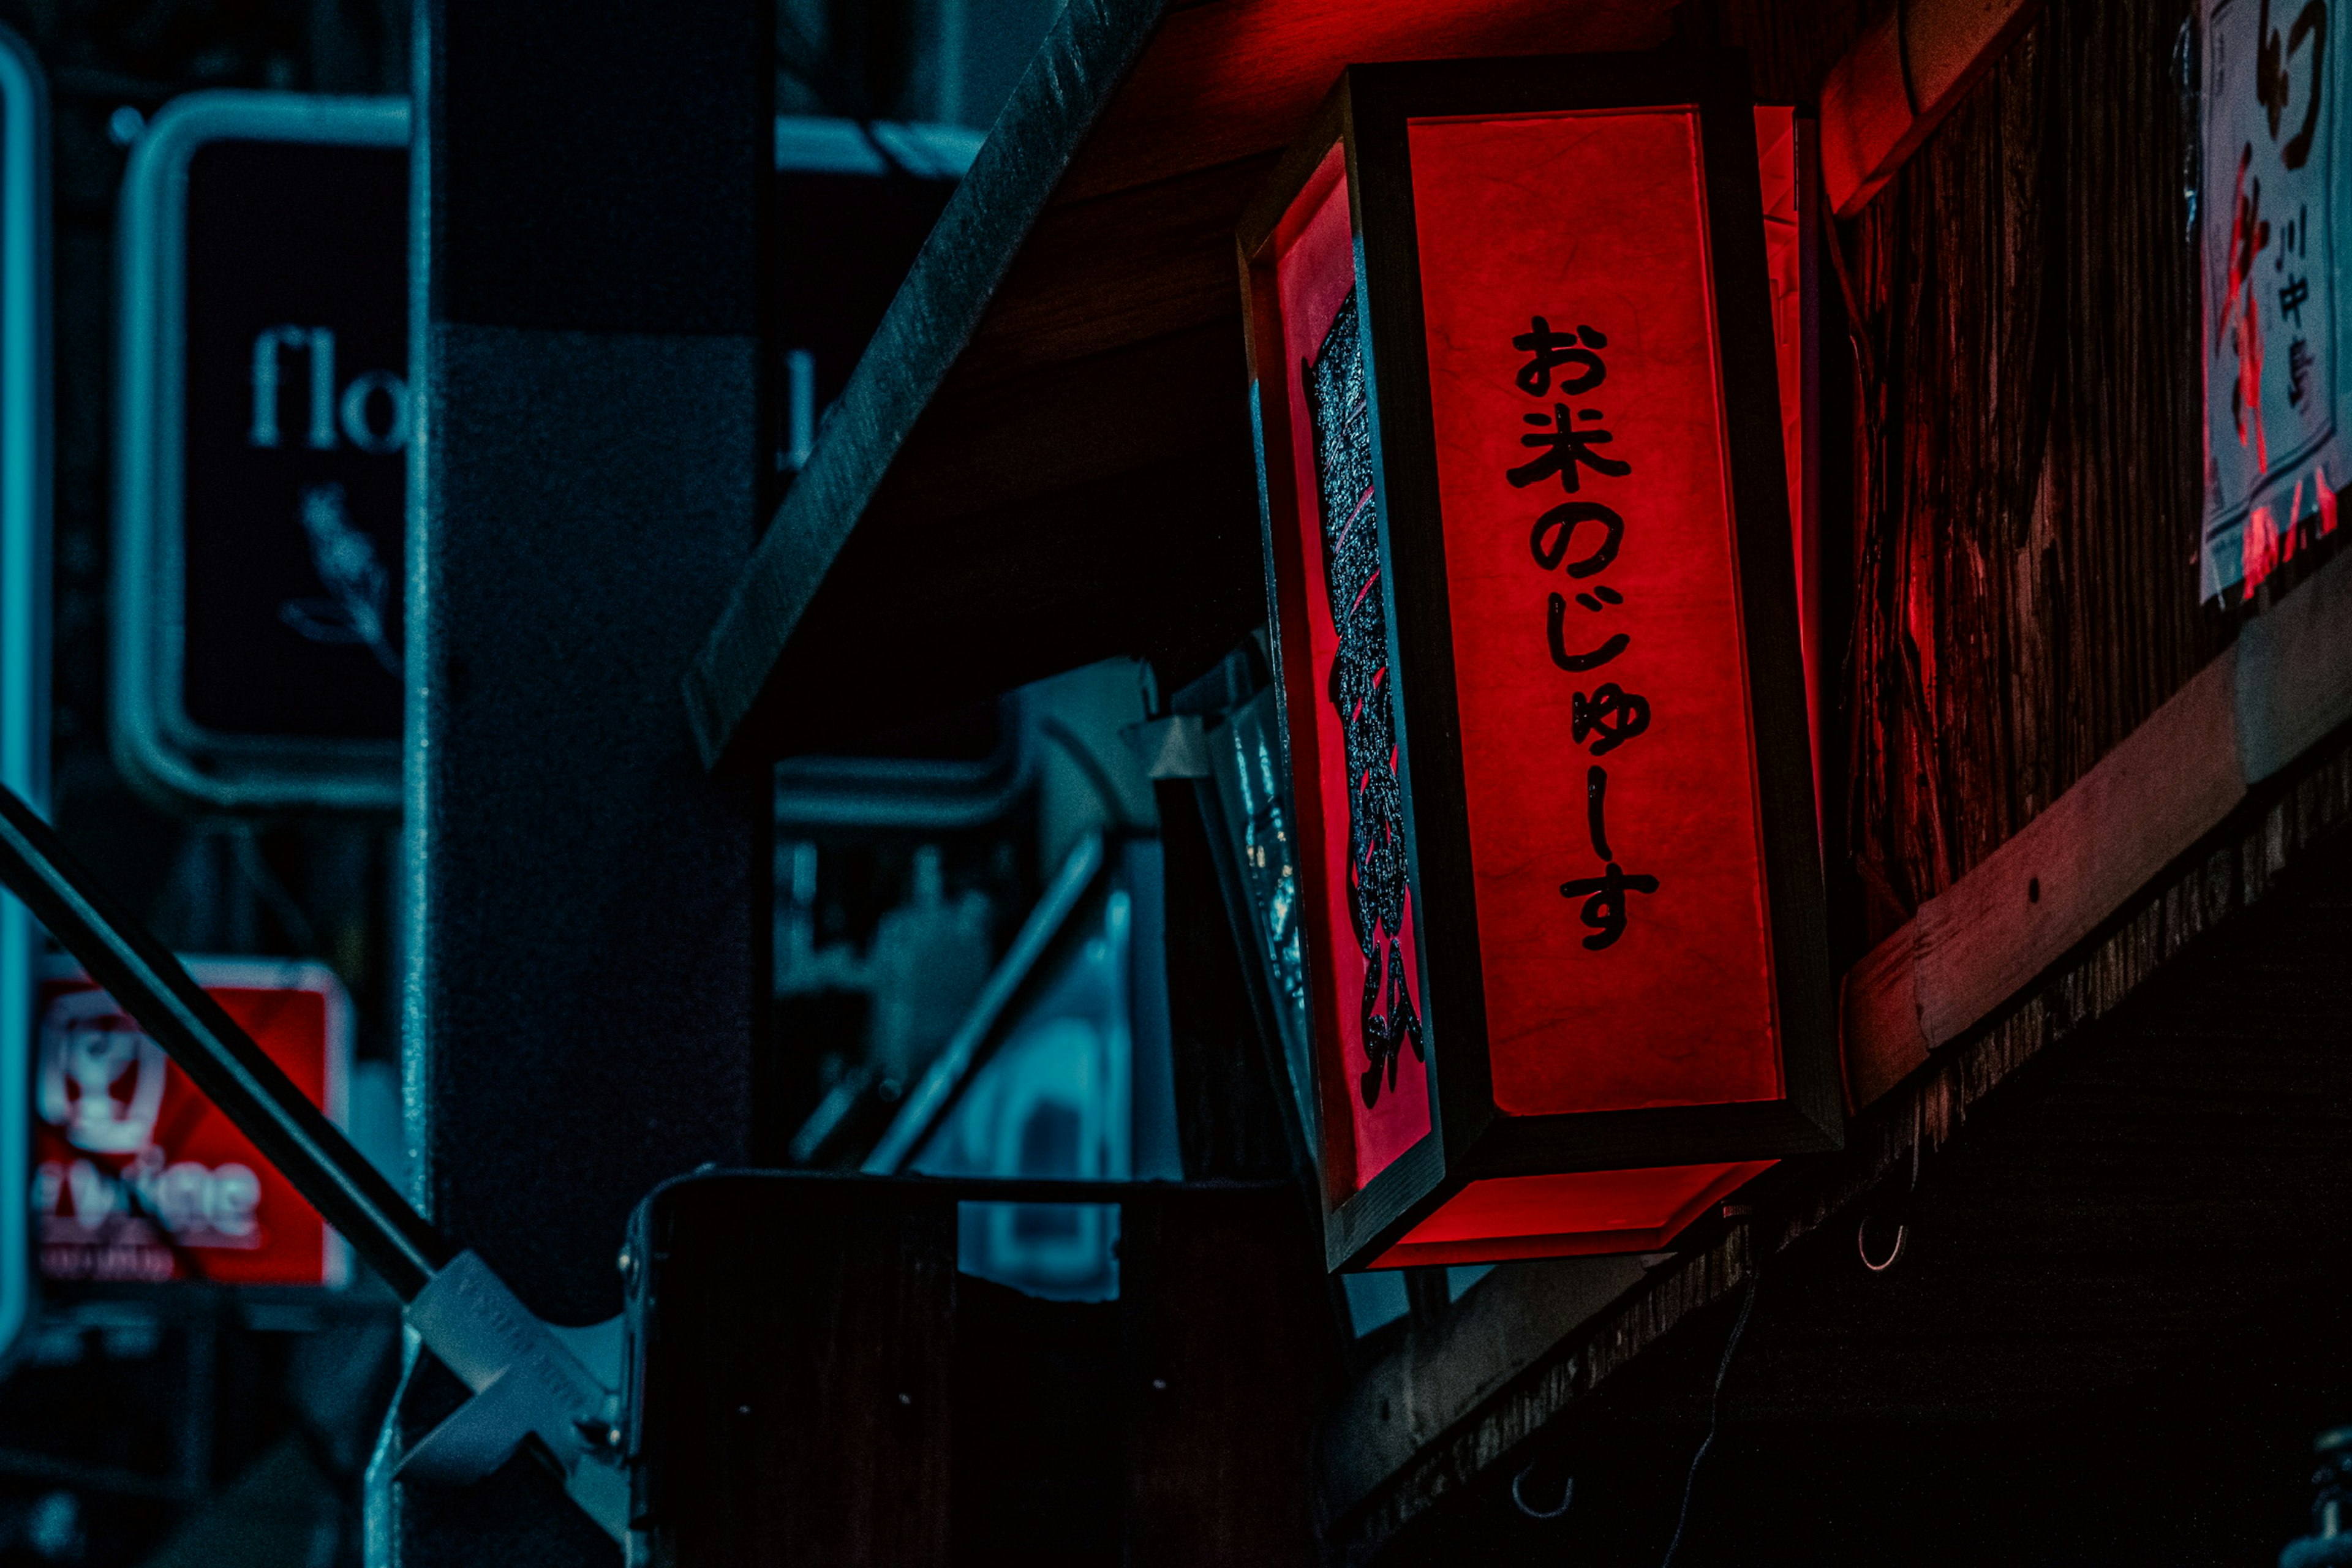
(138, 1177)
(25, 596)
(264, 415)
(259, 481)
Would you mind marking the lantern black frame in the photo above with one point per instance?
(1470, 1137)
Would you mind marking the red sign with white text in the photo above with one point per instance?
(137, 1177)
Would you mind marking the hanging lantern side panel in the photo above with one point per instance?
(1513, 371)
(1346, 752)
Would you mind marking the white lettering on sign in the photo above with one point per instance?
(101, 1083)
(136, 1175)
(201, 1205)
(371, 413)
(2272, 453)
(102, 1079)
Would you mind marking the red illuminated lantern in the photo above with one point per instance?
(1527, 526)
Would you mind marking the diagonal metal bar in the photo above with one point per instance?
(142, 976)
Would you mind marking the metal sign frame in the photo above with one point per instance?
(25, 521)
(156, 743)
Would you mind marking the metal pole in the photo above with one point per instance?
(150, 985)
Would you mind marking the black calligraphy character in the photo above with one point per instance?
(1603, 895)
(2298, 370)
(1612, 712)
(1362, 698)
(1577, 662)
(1555, 529)
(2238, 322)
(2294, 239)
(1556, 350)
(1596, 811)
(2273, 83)
(1564, 448)
(2292, 297)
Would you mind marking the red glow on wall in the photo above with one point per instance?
(1676, 1007)
(1316, 275)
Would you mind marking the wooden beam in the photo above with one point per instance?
(1087, 53)
(1906, 72)
(2303, 822)
(2242, 718)
(1444, 1372)
(1094, 231)
(1114, 270)
(2197, 815)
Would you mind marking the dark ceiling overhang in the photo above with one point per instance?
(1045, 457)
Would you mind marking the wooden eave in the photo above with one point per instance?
(2155, 944)
(1044, 456)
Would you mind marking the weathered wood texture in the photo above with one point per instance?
(1981, 940)
(2027, 458)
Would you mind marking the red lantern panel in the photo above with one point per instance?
(1598, 661)
(1512, 350)
(1344, 734)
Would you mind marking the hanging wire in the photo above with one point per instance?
(1903, 1227)
(1861, 1246)
(1566, 1494)
(1714, 1414)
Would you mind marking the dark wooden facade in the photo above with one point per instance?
(2026, 449)
(2082, 828)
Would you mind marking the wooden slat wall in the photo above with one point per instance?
(2026, 457)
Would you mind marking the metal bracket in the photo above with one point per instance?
(531, 1381)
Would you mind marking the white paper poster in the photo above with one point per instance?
(2272, 458)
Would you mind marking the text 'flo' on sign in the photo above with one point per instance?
(138, 1176)
(259, 475)
(264, 413)
(1533, 592)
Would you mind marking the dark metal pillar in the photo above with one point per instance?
(584, 967)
